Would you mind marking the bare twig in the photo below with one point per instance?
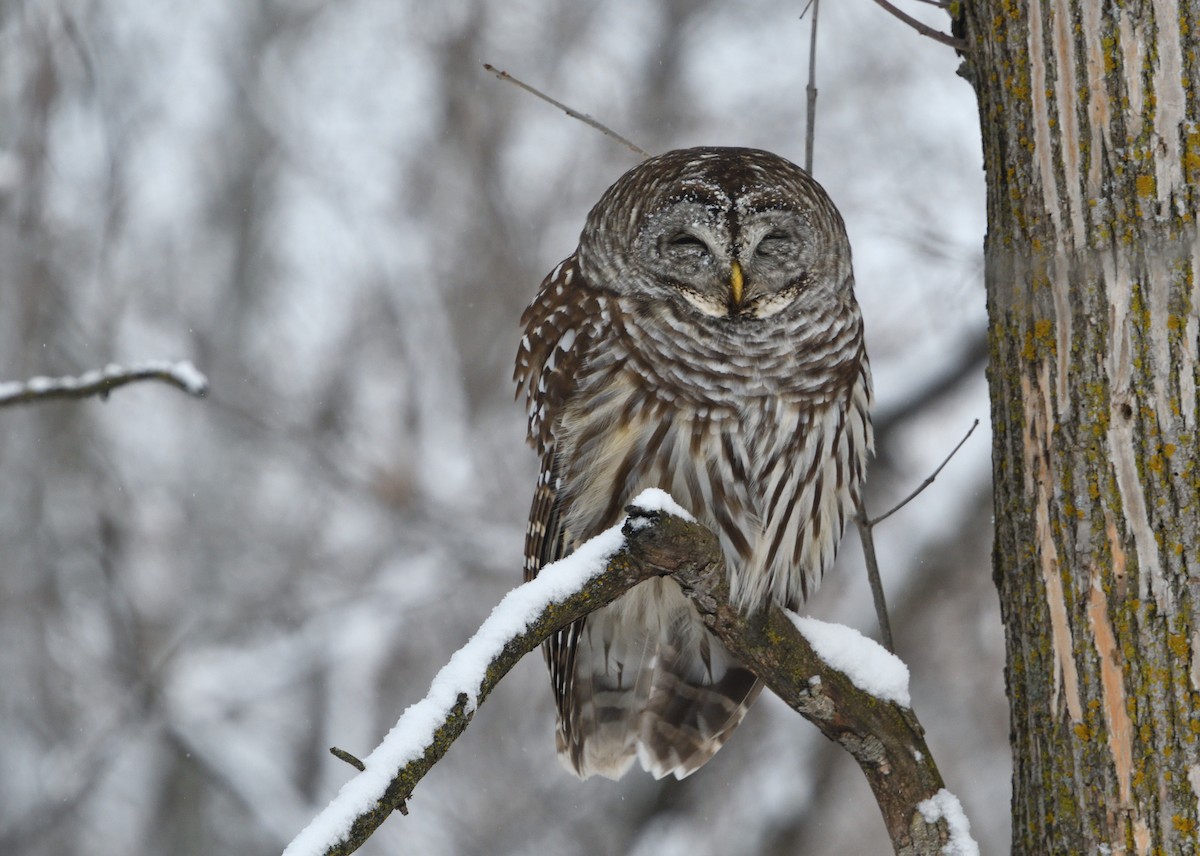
(183, 375)
(928, 481)
(884, 737)
(574, 114)
(867, 537)
(343, 755)
(810, 129)
(924, 29)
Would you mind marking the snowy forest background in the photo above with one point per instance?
(338, 215)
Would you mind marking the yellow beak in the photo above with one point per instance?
(735, 282)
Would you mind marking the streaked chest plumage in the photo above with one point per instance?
(760, 430)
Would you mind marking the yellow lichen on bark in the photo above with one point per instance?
(1090, 144)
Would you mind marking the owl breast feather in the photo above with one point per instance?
(776, 476)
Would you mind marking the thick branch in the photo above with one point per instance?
(182, 375)
(885, 738)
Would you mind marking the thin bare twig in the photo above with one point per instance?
(924, 29)
(574, 114)
(343, 755)
(867, 537)
(183, 375)
(927, 481)
(810, 130)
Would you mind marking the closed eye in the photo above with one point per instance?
(685, 244)
(775, 244)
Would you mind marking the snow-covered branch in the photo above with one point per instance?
(863, 706)
(182, 375)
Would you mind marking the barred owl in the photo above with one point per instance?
(704, 339)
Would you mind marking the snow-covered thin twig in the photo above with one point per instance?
(874, 724)
(182, 375)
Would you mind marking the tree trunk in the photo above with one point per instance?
(1091, 142)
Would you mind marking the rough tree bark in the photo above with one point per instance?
(1091, 145)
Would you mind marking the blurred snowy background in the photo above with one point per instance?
(338, 215)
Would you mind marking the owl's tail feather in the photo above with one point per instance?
(651, 683)
(686, 722)
(597, 722)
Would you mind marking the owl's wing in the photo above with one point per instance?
(640, 678)
(559, 333)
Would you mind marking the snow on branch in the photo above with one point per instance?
(944, 804)
(869, 666)
(658, 538)
(563, 592)
(182, 375)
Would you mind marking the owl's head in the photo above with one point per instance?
(729, 233)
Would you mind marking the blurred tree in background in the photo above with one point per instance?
(338, 215)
